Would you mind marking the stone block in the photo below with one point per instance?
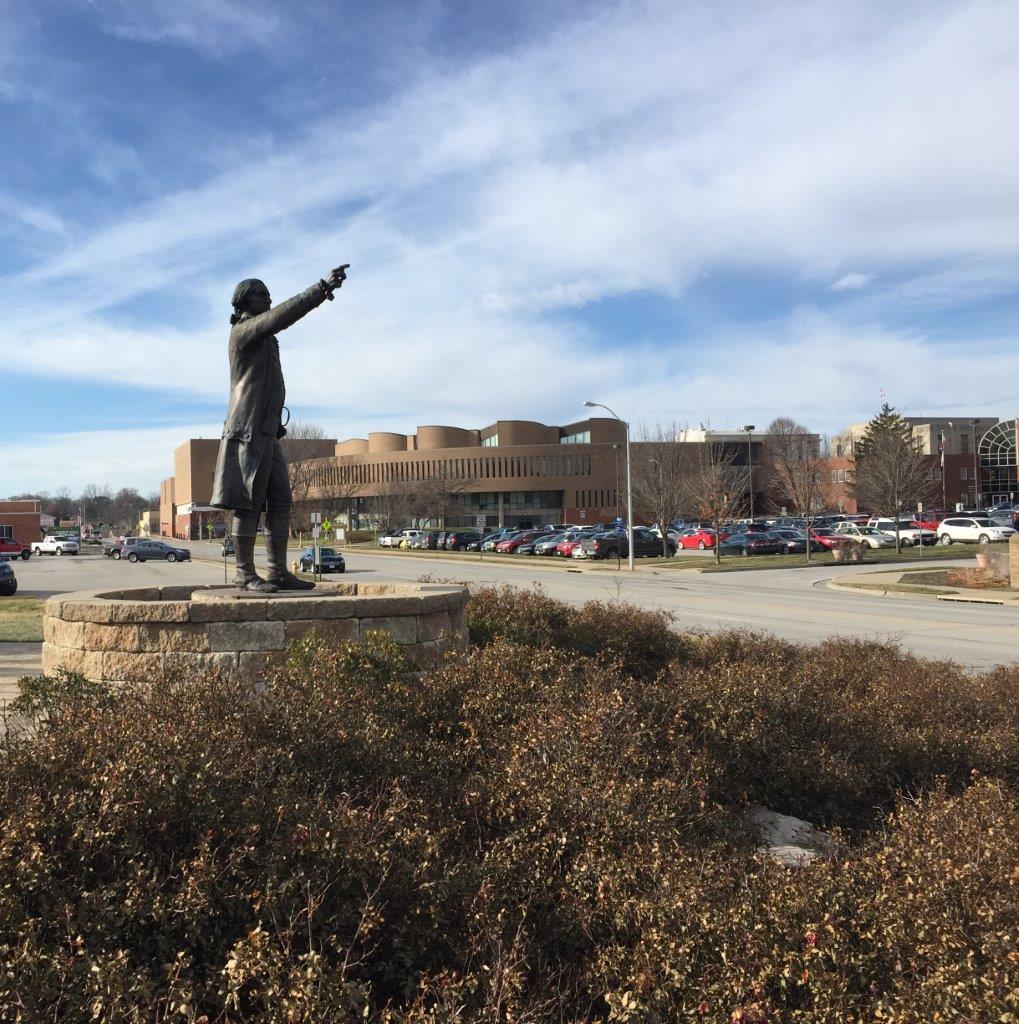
(403, 629)
(149, 611)
(187, 663)
(122, 666)
(422, 656)
(135, 594)
(458, 620)
(372, 607)
(431, 627)
(87, 611)
(52, 658)
(328, 630)
(246, 636)
(176, 593)
(310, 608)
(375, 589)
(227, 611)
(99, 637)
(63, 634)
(1013, 561)
(86, 663)
(254, 665)
(182, 637)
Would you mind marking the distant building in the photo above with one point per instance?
(184, 509)
(21, 521)
(507, 473)
(971, 460)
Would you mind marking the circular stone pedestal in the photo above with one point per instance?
(134, 635)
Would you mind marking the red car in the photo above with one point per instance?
(931, 520)
(566, 548)
(700, 539)
(10, 549)
(828, 539)
(510, 545)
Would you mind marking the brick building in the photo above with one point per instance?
(510, 472)
(971, 461)
(184, 509)
(21, 520)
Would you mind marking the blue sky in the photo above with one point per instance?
(692, 212)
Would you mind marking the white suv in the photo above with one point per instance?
(967, 528)
(909, 532)
(864, 535)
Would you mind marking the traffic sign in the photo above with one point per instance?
(316, 518)
(326, 525)
(480, 521)
(583, 513)
(316, 532)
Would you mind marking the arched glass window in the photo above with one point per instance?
(998, 445)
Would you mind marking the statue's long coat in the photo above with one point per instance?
(256, 397)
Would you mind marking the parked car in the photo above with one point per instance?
(827, 537)
(794, 542)
(752, 542)
(227, 549)
(611, 544)
(510, 544)
(566, 547)
(146, 550)
(55, 546)
(910, 532)
(121, 547)
(865, 535)
(547, 545)
(972, 529)
(390, 539)
(458, 540)
(700, 538)
(330, 560)
(11, 549)
(8, 581)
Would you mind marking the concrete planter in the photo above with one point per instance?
(135, 635)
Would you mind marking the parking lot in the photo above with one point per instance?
(793, 603)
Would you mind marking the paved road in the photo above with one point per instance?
(791, 603)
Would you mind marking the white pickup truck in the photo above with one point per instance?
(55, 546)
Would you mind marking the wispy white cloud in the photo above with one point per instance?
(851, 282)
(634, 151)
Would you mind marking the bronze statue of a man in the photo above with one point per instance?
(251, 471)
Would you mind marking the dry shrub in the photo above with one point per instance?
(528, 834)
(835, 732)
(639, 640)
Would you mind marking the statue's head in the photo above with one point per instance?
(250, 296)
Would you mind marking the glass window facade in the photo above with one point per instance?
(581, 437)
(490, 442)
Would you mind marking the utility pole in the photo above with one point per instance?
(629, 487)
(750, 428)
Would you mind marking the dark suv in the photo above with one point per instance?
(615, 542)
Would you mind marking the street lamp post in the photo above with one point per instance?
(750, 428)
(629, 489)
(976, 466)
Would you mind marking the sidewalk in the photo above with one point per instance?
(895, 583)
(17, 660)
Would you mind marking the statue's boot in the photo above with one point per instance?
(278, 525)
(246, 577)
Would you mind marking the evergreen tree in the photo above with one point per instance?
(891, 471)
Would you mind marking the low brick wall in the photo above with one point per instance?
(134, 635)
(1013, 561)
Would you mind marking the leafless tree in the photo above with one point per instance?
(891, 470)
(798, 474)
(659, 469)
(301, 450)
(391, 507)
(716, 486)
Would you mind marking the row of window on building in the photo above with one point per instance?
(418, 470)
